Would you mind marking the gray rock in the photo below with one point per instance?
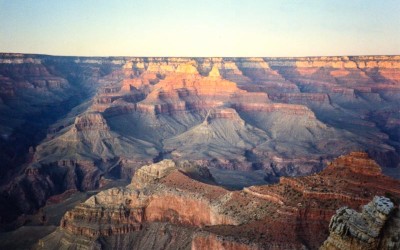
(352, 230)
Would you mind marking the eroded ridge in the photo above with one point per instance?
(182, 200)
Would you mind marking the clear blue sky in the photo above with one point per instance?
(200, 27)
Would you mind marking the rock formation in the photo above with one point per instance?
(351, 230)
(68, 122)
(169, 199)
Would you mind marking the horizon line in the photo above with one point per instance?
(127, 56)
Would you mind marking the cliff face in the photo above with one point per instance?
(292, 214)
(69, 121)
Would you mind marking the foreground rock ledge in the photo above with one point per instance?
(172, 205)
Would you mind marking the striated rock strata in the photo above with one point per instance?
(284, 116)
(182, 198)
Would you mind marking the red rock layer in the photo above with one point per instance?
(292, 214)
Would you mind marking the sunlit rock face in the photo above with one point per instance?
(170, 201)
(70, 121)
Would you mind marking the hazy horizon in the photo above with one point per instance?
(155, 56)
(200, 28)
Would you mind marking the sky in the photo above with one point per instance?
(200, 27)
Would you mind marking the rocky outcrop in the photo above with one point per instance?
(278, 216)
(277, 107)
(359, 162)
(302, 98)
(121, 211)
(151, 173)
(351, 230)
(90, 121)
(329, 184)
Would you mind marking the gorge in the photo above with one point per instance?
(317, 133)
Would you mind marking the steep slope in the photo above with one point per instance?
(90, 138)
(162, 197)
(223, 135)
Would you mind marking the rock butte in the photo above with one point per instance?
(292, 214)
(68, 123)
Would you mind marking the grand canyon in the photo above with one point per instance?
(199, 153)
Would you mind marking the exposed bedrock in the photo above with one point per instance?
(368, 229)
(292, 214)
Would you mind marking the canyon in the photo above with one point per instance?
(76, 124)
